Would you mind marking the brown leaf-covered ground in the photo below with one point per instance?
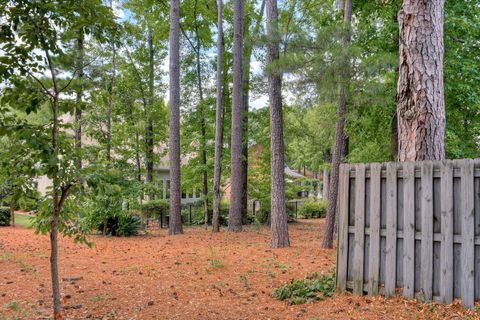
(198, 275)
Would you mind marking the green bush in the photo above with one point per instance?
(311, 288)
(4, 216)
(123, 225)
(128, 225)
(313, 209)
(155, 208)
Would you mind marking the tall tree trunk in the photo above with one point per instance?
(420, 91)
(175, 224)
(235, 214)
(278, 212)
(149, 132)
(110, 102)
(55, 217)
(12, 213)
(217, 173)
(326, 174)
(203, 130)
(247, 57)
(326, 183)
(78, 106)
(340, 141)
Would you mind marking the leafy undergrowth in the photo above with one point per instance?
(312, 288)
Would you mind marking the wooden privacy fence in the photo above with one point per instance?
(411, 226)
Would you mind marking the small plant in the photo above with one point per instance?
(312, 288)
(244, 280)
(98, 298)
(6, 256)
(18, 309)
(215, 263)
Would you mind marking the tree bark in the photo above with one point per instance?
(12, 213)
(203, 130)
(340, 141)
(110, 102)
(278, 211)
(151, 96)
(235, 214)
(175, 223)
(217, 173)
(326, 183)
(420, 90)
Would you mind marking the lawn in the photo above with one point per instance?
(23, 220)
(197, 275)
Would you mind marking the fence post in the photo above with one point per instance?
(359, 242)
(427, 229)
(446, 258)
(375, 207)
(391, 241)
(190, 213)
(344, 198)
(161, 219)
(408, 229)
(468, 234)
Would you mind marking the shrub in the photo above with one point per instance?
(123, 225)
(4, 216)
(155, 208)
(313, 209)
(128, 225)
(311, 288)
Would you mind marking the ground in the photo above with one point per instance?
(197, 275)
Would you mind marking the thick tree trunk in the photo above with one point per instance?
(217, 173)
(235, 214)
(340, 141)
(278, 211)
(420, 92)
(151, 94)
(78, 107)
(175, 226)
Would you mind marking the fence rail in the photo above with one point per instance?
(413, 226)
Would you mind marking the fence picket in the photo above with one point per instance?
(374, 254)
(427, 230)
(342, 259)
(391, 241)
(468, 233)
(359, 229)
(408, 230)
(446, 258)
(438, 207)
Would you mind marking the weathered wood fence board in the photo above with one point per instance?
(410, 226)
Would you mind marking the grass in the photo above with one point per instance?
(23, 220)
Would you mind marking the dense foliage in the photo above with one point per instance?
(4, 216)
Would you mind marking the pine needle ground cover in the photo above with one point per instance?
(197, 275)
